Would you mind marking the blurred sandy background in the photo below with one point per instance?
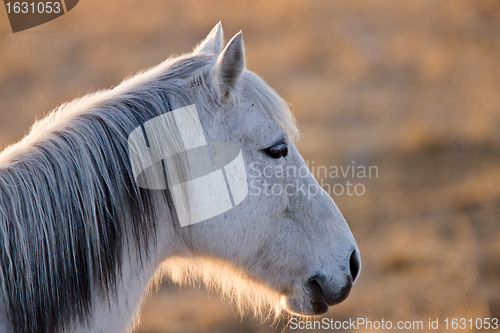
(412, 87)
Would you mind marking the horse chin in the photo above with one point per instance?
(310, 304)
(310, 299)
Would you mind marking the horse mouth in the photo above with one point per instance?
(318, 297)
(318, 301)
(318, 288)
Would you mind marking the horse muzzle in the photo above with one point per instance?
(323, 292)
(323, 295)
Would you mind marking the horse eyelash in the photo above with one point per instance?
(277, 150)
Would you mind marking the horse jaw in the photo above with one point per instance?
(229, 281)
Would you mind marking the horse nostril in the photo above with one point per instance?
(354, 265)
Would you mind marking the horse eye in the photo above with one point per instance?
(278, 150)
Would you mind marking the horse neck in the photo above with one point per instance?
(117, 312)
(52, 195)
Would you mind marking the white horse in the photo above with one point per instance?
(80, 242)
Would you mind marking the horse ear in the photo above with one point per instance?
(213, 42)
(230, 64)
